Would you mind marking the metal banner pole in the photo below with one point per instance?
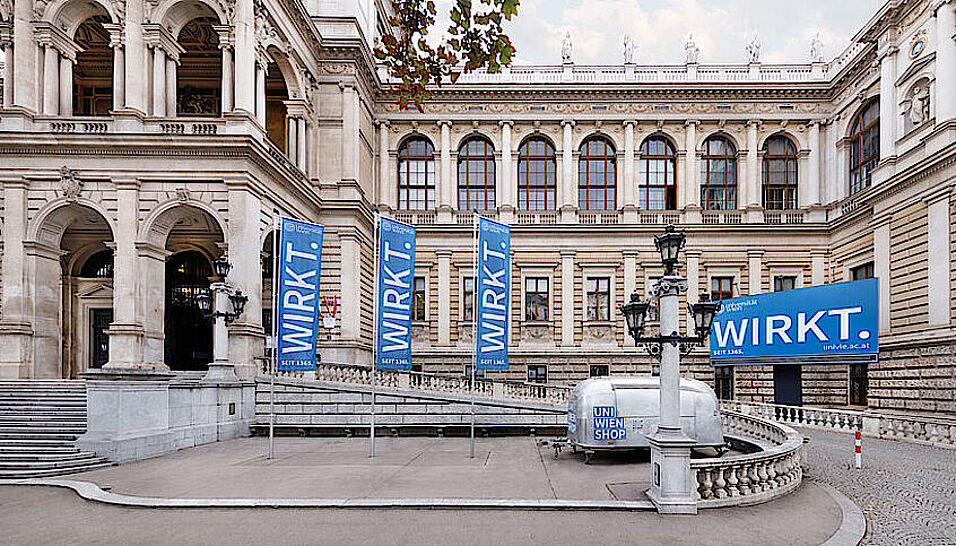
(378, 234)
(275, 332)
(474, 335)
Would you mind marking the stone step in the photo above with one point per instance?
(52, 397)
(40, 420)
(48, 460)
(66, 448)
(21, 435)
(25, 405)
(43, 473)
(71, 413)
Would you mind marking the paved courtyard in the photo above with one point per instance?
(907, 491)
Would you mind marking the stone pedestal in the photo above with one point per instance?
(127, 413)
(672, 485)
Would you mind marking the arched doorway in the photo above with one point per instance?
(188, 341)
(72, 289)
(93, 71)
(199, 76)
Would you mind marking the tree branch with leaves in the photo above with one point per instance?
(475, 40)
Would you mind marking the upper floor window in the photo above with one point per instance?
(536, 299)
(784, 282)
(476, 175)
(599, 298)
(418, 299)
(416, 175)
(861, 272)
(657, 175)
(597, 175)
(718, 174)
(468, 298)
(721, 288)
(779, 173)
(537, 175)
(864, 146)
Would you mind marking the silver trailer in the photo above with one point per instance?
(621, 412)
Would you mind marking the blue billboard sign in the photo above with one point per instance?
(299, 267)
(834, 320)
(494, 295)
(396, 274)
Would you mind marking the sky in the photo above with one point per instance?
(659, 28)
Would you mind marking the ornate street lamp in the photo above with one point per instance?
(238, 300)
(214, 307)
(703, 313)
(204, 303)
(635, 312)
(669, 245)
(222, 267)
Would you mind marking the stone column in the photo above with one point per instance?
(159, 82)
(126, 331)
(260, 104)
(15, 330)
(246, 336)
(630, 182)
(291, 147)
(119, 75)
(812, 196)
(51, 80)
(507, 180)
(350, 134)
(751, 196)
(445, 181)
(66, 86)
(351, 284)
(227, 79)
(888, 119)
(567, 298)
(817, 267)
(385, 179)
(755, 270)
(151, 278)
(945, 62)
(300, 153)
(246, 83)
(8, 85)
(171, 86)
(693, 281)
(881, 268)
(136, 58)
(940, 257)
(691, 176)
(566, 194)
(630, 284)
(444, 297)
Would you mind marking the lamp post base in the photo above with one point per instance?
(673, 490)
(220, 372)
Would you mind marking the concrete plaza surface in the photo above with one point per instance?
(406, 467)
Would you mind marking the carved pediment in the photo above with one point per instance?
(99, 291)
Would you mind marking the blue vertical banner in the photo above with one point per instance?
(299, 268)
(396, 274)
(494, 295)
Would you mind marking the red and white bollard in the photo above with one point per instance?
(859, 450)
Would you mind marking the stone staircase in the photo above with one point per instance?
(39, 422)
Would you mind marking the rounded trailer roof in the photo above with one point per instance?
(605, 384)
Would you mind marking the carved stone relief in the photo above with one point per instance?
(537, 334)
(419, 335)
(599, 333)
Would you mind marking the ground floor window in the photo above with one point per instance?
(861, 272)
(599, 370)
(479, 374)
(721, 288)
(858, 384)
(784, 282)
(468, 299)
(724, 382)
(536, 299)
(418, 300)
(599, 298)
(537, 373)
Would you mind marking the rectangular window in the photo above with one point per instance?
(861, 272)
(599, 370)
(784, 282)
(858, 384)
(536, 299)
(468, 298)
(537, 373)
(721, 288)
(724, 382)
(479, 374)
(599, 298)
(418, 299)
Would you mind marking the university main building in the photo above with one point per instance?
(140, 140)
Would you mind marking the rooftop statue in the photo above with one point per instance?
(816, 49)
(630, 49)
(566, 47)
(691, 50)
(753, 48)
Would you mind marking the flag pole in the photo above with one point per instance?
(275, 333)
(377, 234)
(474, 334)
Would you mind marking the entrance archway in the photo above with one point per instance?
(188, 341)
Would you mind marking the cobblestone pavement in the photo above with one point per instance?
(907, 491)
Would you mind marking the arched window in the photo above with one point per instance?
(718, 174)
(98, 266)
(93, 71)
(864, 146)
(416, 175)
(476, 175)
(199, 76)
(597, 175)
(779, 173)
(537, 175)
(657, 175)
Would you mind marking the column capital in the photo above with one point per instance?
(505, 122)
(383, 123)
(567, 253)
(125, 183)
(566, 122)
(753, 123)
(444, 123)
(629, 123)
(443, 253)
(691, 122)
(755, 253)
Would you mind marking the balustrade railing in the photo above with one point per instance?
(536, 393)
(783, 217)
(757, 477)
(537, 217)
(722, 217)
(938, 431)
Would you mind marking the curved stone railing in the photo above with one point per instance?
(533, 393)
(755, 477)
(937, 431)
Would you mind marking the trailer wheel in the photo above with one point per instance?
(587, 456)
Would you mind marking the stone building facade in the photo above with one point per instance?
(142, 139)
